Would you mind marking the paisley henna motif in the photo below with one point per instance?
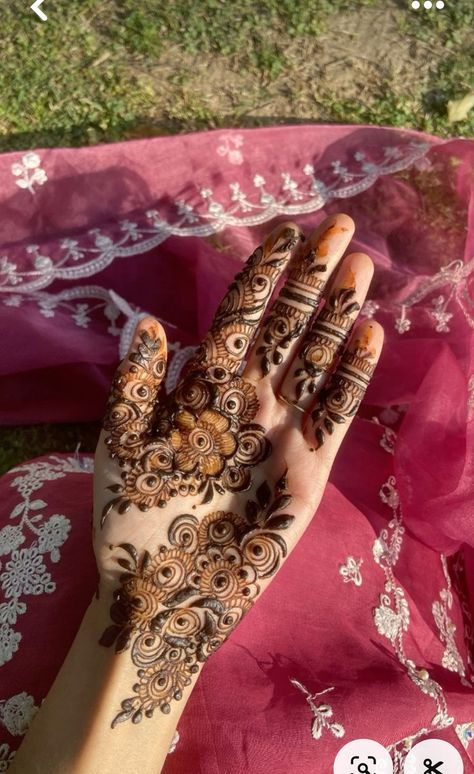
(202, 438)
(176, 607)
(325, 340)
(340, 399)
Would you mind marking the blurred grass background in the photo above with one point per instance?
(109, 70)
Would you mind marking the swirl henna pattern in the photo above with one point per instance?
(202, 438)
(214, 566)
(326, 339)
(339, 400)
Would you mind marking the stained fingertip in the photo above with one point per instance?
(148, 347)
(367, 339)
(359, 263)
(331, 227)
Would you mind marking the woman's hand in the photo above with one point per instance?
(201, 494)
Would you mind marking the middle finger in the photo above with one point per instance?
(298, 299)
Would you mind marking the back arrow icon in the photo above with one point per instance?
(36, 8)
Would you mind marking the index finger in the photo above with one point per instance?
(242, 308)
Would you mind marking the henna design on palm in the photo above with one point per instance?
(176, 607)
(202, 438)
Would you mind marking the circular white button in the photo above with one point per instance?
(433, 756)
(363, 756)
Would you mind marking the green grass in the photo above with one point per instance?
(107, 70)
(93, 71)
(23, 443)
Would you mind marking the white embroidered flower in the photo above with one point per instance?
(186, 211)
(47, 307)
(440, 315)
(43, 263)
(392, 152)
(37, 473)
(322, 713)
(131, 229)
(29, 172)
(9, 641)
(465, 732)
(6, 757)
(31, 160)
(8, 269)
(402, 324)
(216, 209)
(9, 611)
(350, 571)
(13, 300)
(25, 573)
(52, 534)
(80, 316)
(69, 244)
(101, 240)
(234, 156)
(258, 181)
(387, 622)
(10, 538)
(292, 186)
(369, 308)
(18, 713)
(174, 742)
(308, 169)
(206, 193)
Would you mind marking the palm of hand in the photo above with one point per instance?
(206, 482)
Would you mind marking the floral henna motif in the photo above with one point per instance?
(176, 607)
(340, 399)
(202, 438)
(296, 303)
(325, 340)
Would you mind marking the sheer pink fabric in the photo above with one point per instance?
(375, 605)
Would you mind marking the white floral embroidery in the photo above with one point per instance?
(369, 308)
(206, 218)
(29, 172)
(454, 277)
(470, 398)
(174, 742)
(230, 147)
(8, 274)
(322, 713)
(101, 301)
(460, 582)
(350, 571)
(388, 439)
(402, 323)
(387, 546)
(9, 643)
(451, 657)
(17, 713)
(465, 732)
(24, 571)
(6, 757)
(392, 620)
